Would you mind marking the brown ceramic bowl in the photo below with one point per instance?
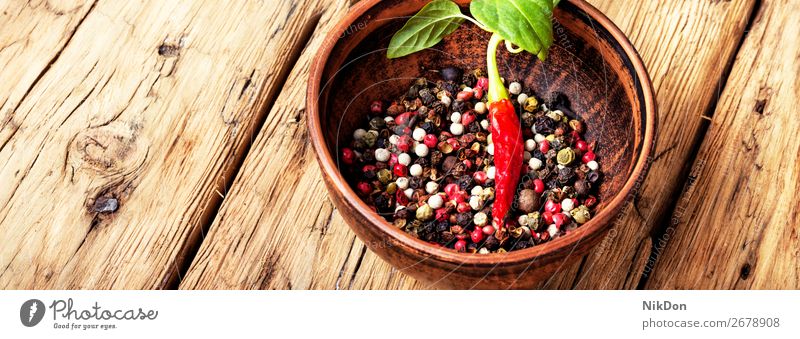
(592, 62)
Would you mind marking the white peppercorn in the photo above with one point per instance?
(535, 164)
(480, 219)
(415, 170)
(382, 154)
(404, 159)
(402, 183)
(431, 187)
(457, 129)
(418, 134)
(421, 150)
(530, 145)
(522, 98)
(480, 107)
(514, 88)
(435, 201)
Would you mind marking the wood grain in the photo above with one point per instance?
(122, 124)
(278, 231)
(738, 218)
(686, 46)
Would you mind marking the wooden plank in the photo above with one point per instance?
(686, 46)
(124, 145)
(737, 221)
(276, 231)
(32, 36)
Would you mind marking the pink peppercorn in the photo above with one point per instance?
(400, 170)
(364, 188)
(430, 140)
(548, 217)
(451, 190)
(464, 95)
(590, 201)
(483, 83)
(558, 219)
(544, 146)
(376, 107)
(461, 246)
(467, 118)
(476, 235)
(348, 156)
(368, 168)
(463, 207)
(402, 119)
(552, 207)
(467, 163)
(587, 157)
(538, 186)
(582, 145)
(478, 93)
(392, 160)
(404, 143)
(488, 229)
(401, 198)
(480, 177)
(442, 215)
(454, 143)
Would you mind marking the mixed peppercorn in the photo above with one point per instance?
(427, 163)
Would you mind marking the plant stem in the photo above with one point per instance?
(497, 91)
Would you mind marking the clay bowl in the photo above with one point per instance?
(592, 63)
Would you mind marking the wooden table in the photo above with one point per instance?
(162, 144)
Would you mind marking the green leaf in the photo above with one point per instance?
(525, 23)
(426, 28)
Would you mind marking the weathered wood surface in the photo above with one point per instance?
(738, 219)
(122, 123)
(152, 105)
(280, 231)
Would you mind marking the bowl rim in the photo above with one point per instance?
(542, 254)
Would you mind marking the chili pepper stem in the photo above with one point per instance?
(497, 91)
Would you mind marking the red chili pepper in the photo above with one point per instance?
(508, 155)
(507, 137)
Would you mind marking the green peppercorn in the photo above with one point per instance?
(565, 156)
(534, 219)
(384, 176)
(370, 138)
(530, 104)
(424, 213)
(377, 123)
(576, 125)
(581, 214)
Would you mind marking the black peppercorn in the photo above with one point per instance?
(426, 96)
(593, 176)
(459, 105)
(582, 187)
(465, 182)
(566, 175)
(464, 219)
(544, 125)
(491, 243)
(428, 127)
